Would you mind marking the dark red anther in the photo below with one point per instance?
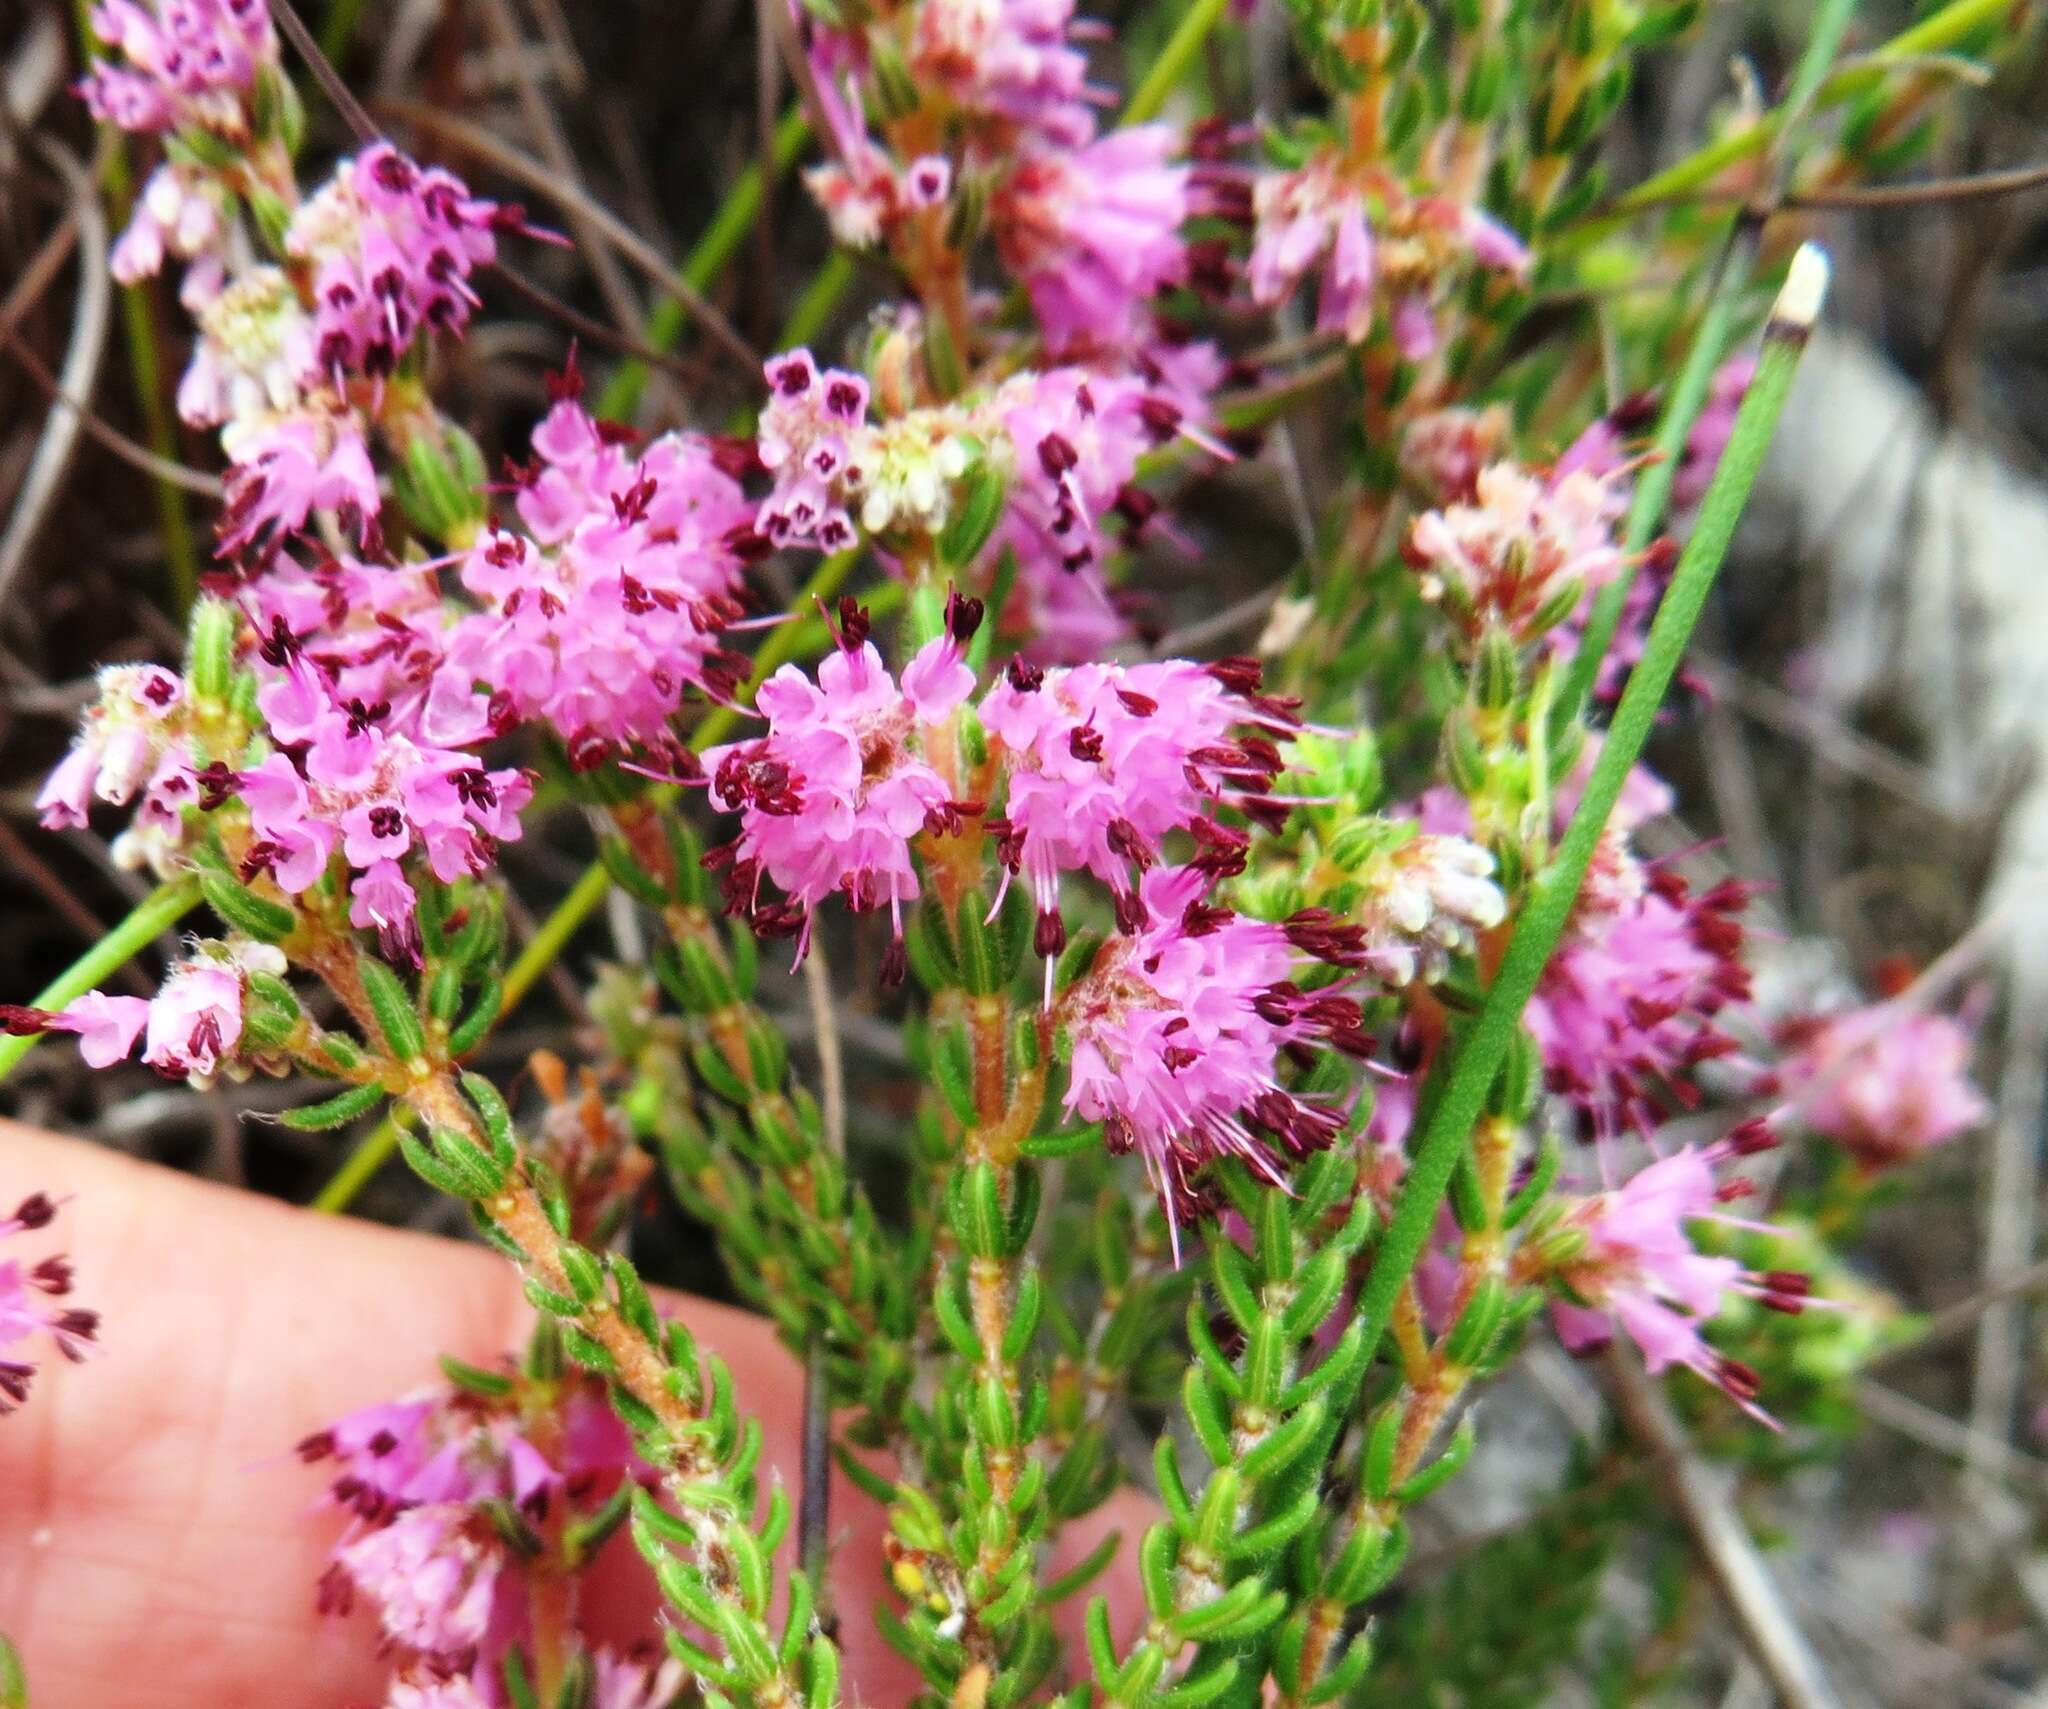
(38, 1210)
(963, 616)
(1056, 455)
(1749, 1138)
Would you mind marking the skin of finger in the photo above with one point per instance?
(159, 1543)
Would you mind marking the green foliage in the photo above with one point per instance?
(1503, 1621)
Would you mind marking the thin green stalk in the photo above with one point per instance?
(157, 912)
(374, 1149)
(1477, 1058)
(1932, 35)
(145, 361)
(708, 258)
(820, 297)
(1166, 71)
(1689, 395)
(338, 29)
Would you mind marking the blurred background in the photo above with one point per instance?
(1865, 734)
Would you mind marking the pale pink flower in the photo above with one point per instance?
(1884, 1086)
(434, 1575)
(254, 356)
(1094, 233)
(1011, 62)
(1634, 1264)
(1388, 257)
(127, 733)
(179, 213)
(178, 63)
(1523, 553)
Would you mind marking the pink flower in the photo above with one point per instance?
(1175, 1031)
(179, 213)
(434, 1574)
(1443, 452)
(379, 633)
(1387, 255)
(137, 722)
(392, 245)
(24, 1289)
(1303, 216)
(377, 794)
(832, 796)
(1522, 554)
(107, 1027)
(1105, 760)
(1882, 1085)
(1008, 61)
(286, 466)
(1627, 1008)
(1094, 232)
(416, 1475)
(611, 613)
(182, 63)
(1076, 438)
(1631, 1260)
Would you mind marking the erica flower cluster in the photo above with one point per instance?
(174, 64)
(350, 779)
(1176, 1032)
(450, 1499)
(1090, 224)
(389, 246)
(1105, 760)
(1522, 552)
(1066, 444)
(34, 1306)
(1387, 256)
(134, 746)
(832, 797)
(606, 611)
(1884, 1086)
(192, 1029)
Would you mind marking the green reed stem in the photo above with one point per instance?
(1477, 1057)
(1936, 34)
(1165, 72)
(1689, 394)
